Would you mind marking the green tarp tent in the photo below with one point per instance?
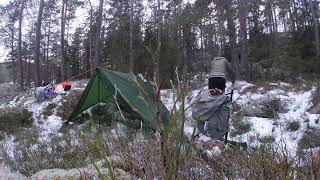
(133, 94)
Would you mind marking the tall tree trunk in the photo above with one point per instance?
(48, 74)
(295, 15)
(309, 19)
(232, 36)
(270, 16)
(157, 58)
(14, 77)
(21, 77)
(221, 32)
(275, 20)
(28, 71)
(243, 13)
(90, 63)
(180, 41)
(291, 16)
(38, 38)
(274, 17)
(131, 69)
(201, 51)
(185, 54)
(97, 50)
(315, 26)
(275, 43)
(255, 18)
(64, 68)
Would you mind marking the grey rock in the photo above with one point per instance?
(264, 107)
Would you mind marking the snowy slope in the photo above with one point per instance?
(46, 126)
(295, 101)
(297, 104)
(246, 95)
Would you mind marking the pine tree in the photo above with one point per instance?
(38, 38)
(21, 74)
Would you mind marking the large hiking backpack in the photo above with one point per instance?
(212, 114)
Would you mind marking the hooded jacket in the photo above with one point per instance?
(220, 67)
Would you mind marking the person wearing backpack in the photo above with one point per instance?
(221, 68)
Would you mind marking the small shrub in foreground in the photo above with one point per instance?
(267, 139)
(310, 139)
(69, 104)
(293, 126)
(49, 109)
(11, 119)
(240, 126)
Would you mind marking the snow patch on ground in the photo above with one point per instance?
(89, 171)
(5, 173)
(47, 126)
(297, 104)
(261, 126)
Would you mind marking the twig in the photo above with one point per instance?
(115, 99)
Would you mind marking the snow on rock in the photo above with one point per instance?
(47, 126)
(90, 172)
(261, 126)
(8, 144)
(296, 104)
(8, 91)
(50, 125)
(168, 98)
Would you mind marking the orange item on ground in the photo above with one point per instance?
(66, 86)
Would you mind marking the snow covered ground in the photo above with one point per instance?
(296, 103)
(47, 126)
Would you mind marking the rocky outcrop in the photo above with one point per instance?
(264, 107)
(315, 108)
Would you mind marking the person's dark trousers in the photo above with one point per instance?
(217, 82)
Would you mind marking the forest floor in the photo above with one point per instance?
(275, 113)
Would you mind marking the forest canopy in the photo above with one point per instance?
(55, 40)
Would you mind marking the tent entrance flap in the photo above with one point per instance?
(95, 92)
(136, 95)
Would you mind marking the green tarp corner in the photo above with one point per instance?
(133, 93)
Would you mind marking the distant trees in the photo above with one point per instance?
(64, 70)
(21, 74)
(315, 19)
(8, 34)
(131, 63)
(97, 49)
(38, 38)
(252, 34)
(243, 41)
